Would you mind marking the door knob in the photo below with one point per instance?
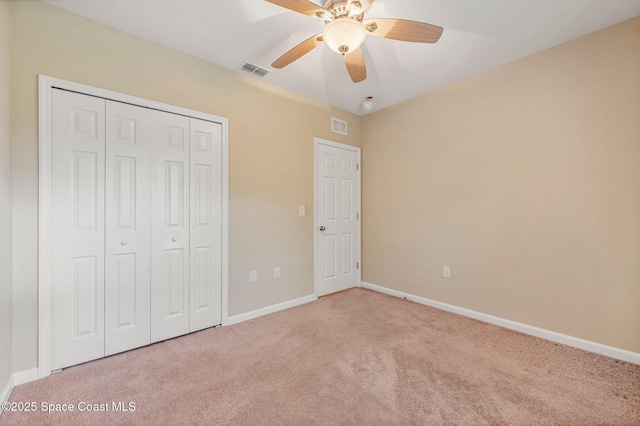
(322, 228)
(174, 239)
(123, 242)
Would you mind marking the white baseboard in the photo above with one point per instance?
(564, 339)
(25, 376)
(16, 379)
(6, 391)
(271, 309)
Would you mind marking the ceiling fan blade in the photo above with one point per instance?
(356, 66)
(364, 4)
(297, 52)
(303, 6)
(401, 29)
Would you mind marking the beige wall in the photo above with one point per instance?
(526, 181)
(5, 199)
(270, 144)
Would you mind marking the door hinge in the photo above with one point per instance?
(357, 215)
(357, 166)
(357, 265)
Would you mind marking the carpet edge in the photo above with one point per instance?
(565, 339)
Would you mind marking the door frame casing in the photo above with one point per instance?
(316, 143)
(45, 86)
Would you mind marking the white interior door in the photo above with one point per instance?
(206, 224)
(77, 228)
(337, 217)
(169, 225)
(128, 240)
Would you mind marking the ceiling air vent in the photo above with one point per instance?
(338, 126)
(255, 70)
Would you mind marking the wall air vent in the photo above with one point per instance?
(338, 126)
(255, 70)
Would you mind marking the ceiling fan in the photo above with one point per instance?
(345, 31)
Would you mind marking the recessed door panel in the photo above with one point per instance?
(329, 160)
(346, 195)
(202, 278)
(202, 195)
(85, 297)
(205, 224)
(125, 288)
(330, 191)
(128, 232)
(347, 253)
(203, 142)
(85, 123)
(77, 228)
(347, 163)
(175, 284)
(85, 190)
(174, 137)
(125, 129)
(169, 226)
(331, 254)
(124, 192)
(174, 197)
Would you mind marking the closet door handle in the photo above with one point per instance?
(174, 239)
(123, 242)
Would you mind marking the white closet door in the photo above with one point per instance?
(169, 226)
(206, 223)
(128, 239)
(77, 219)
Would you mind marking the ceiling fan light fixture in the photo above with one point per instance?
(344, 35)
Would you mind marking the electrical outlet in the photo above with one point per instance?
(301, 211)
(253, 276)
(446, 271)
(276, 272)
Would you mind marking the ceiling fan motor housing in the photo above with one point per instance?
(340, 8)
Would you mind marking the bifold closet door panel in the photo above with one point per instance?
(206, 224)
(77, 228)
(169, 225)
(128, 230)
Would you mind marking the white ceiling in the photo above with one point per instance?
(478, 35)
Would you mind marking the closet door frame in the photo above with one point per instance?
(45, 86)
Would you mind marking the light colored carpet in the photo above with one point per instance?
(353, 358)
